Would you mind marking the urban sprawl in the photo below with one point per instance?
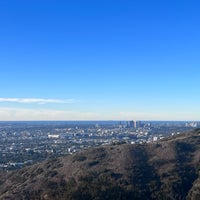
(26, 143)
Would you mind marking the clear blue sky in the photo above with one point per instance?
(80, 60)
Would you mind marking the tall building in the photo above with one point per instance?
(135, 124)
(130, 124)
(138, 124)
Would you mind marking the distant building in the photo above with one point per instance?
(135, 124)
(155, 138)
(191, 124)
(130, 124)
(53, 136)
(138, 124)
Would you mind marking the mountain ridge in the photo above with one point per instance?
(167, 169)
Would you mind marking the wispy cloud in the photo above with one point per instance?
(7, 114)
(36, 100)
(44, 114)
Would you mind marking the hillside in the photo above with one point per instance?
(168, 169)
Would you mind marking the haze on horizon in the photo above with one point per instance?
(99, 60)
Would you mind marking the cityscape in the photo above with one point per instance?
(99, 100)
(27, 143)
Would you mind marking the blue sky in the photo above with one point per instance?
(99, 60)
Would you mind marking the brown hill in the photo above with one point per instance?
(168, 169)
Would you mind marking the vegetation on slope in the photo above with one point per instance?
(168, 169)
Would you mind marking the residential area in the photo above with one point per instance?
(26, 143)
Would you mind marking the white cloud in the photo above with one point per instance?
(35, 100)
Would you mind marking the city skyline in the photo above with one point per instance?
(99, 60)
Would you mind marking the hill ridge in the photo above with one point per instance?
(167, 169)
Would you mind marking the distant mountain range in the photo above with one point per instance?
(165, 170)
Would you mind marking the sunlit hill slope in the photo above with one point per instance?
(168, 169)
